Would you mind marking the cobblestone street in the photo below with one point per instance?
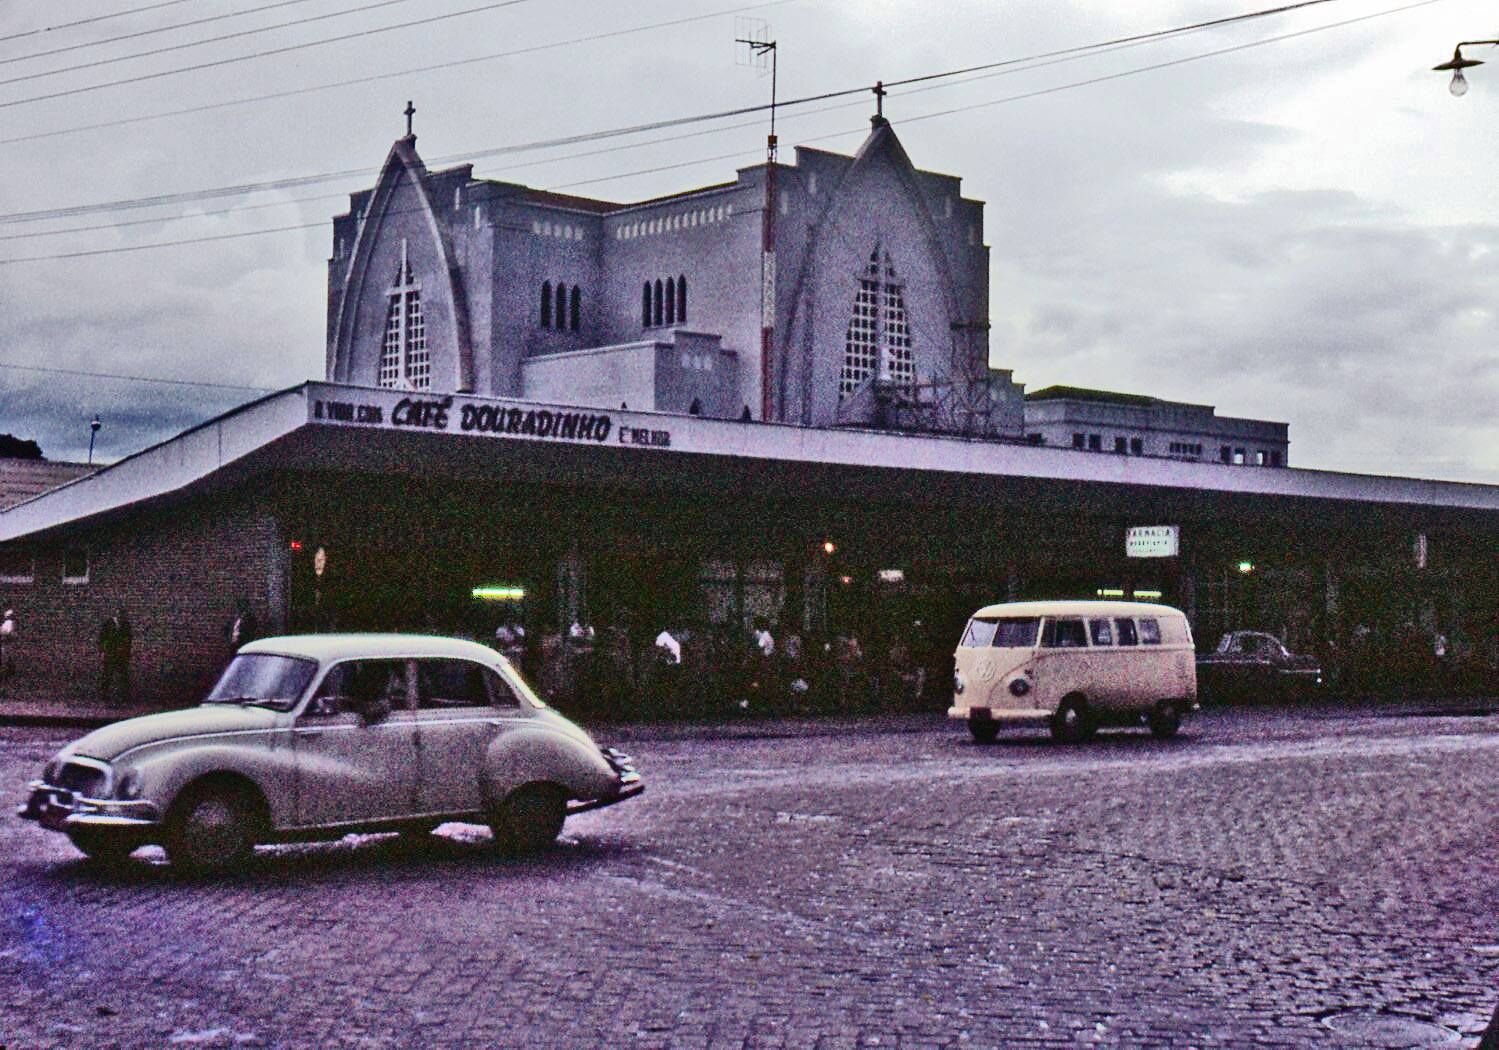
(1268, 878)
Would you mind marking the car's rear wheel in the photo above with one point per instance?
(1073, 722)
(1165, 719)
(530, 819)
(984, 730)
(210, 829)
(103, 847)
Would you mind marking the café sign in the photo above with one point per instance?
(1152, 541)
(459, 415)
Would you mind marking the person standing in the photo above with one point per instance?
(242, 626)
(7, 644)
(114, 648)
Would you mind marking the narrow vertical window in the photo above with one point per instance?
(878, 340)
(405, 361)
(656, 304)
(671, 300)
(561, 314)
(682, 299)
(574, 308)
(546, 304)
(645, 305)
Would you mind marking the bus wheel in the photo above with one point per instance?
(1073, 723)
(1165, 720)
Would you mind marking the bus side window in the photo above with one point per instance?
(1126, 632)
(1103, 632)
(1064, 634)
(1150, 631)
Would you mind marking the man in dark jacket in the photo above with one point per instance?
(114, 648)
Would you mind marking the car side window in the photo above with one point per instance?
(1150, 631)
(444, 684)
(1102, 631)
(500, 690)
(1064, 634)
(1126, 629)
(357, 685)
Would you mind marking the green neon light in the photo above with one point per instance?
(493, 593)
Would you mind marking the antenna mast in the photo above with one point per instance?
(761, 50)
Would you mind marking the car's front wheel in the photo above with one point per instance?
(210, 829)
(530, 819)
(106, 848)
(984, 730)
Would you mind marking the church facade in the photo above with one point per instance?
(833, 291)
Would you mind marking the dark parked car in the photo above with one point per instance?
(1253, 665)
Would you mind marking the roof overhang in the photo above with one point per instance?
(323, 427)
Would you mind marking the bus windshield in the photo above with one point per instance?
(1009, 632)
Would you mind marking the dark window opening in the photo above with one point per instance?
(1137, 446)
(671, 300)
(645, 305)
(657, 307)
(1079, 440)
(546, 304)
(575, 307)
(682, 299)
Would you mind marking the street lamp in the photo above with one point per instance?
(93, 430)
(1459, 85)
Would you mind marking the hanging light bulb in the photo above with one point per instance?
(1459, 85)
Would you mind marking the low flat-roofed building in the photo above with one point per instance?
(21, 478)
(1136, 425)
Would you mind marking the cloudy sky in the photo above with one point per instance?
(1288, 217)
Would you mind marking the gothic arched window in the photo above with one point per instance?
(878, 341)
(656, 304)
(405, 361)
(682, 299)
(574, 308)
(546, 304)
(671, 300)
(645, 305)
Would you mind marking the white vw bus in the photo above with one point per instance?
(1074, 666)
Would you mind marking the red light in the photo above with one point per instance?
(296, 545)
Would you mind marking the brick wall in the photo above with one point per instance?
(177, 573)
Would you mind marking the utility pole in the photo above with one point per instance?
(761, 49)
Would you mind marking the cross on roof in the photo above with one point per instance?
(409, 110)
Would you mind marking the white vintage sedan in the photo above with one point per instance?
(313, 737)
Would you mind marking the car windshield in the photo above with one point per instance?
(263, 679)
(1009, 632)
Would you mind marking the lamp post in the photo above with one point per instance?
(93, 430)
(1459, 85)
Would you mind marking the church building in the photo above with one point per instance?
(833, 291)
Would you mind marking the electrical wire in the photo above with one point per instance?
(195, 195)
(138, 379)
(234, 59)
(150, 32)
(90, 21)
(185, 45)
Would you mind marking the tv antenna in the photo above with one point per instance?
(760, 52)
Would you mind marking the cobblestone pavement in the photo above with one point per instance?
(1264, 880)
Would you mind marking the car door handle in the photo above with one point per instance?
(309, 732)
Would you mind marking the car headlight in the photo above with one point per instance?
(52, 770)
(957, 682)
(129, 784)
(1019, 687)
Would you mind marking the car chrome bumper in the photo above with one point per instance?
(627, 783)
(60, 809)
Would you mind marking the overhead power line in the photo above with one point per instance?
(287, 49)
(924, 79)
(137, 379)
(90, 21)
(153, 31)
(304, 180)
(185, 45)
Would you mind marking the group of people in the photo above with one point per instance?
(117, 642)
(698, 671)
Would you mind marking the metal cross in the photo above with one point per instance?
(879, 98)
(410, 109)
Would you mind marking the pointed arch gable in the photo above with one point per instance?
(365, 284)
(818, 297)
